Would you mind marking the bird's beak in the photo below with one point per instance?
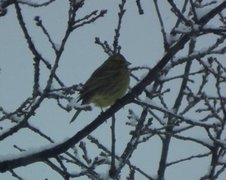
(128, 63)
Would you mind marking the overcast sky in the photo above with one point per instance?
(142, 45)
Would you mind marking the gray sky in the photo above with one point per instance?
(141, 43)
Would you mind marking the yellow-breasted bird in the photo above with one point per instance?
(108, 83)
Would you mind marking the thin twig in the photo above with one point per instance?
(113, 171)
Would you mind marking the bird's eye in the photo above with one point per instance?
(119, 59)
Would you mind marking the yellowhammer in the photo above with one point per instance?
(108, 83)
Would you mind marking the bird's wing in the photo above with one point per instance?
(96, 82)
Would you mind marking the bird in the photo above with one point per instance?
(107, 83)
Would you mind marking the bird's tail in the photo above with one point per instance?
(75, 115)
